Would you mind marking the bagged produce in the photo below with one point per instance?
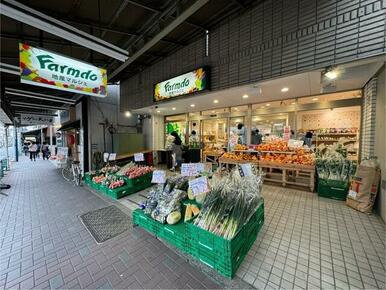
(364, 186)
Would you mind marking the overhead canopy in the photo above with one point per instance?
(70, 125)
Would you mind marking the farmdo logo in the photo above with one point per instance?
(188, 83)
(47, 69)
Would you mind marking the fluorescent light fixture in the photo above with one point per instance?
(315, 99)
(245, 96)
(174, 108)
(127, 114)
(331, 74)
(285, 89)
(215, 101)
(158, 111)
(29, 16)
(268, 105)
(192, 105)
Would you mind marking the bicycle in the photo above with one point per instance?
(72, 172)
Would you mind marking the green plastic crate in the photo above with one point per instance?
(145, 221)
(4, 164)
(176, 235)
(95, 185)
(225, 256)
(141, 180)
(334, 189)
(118, 192)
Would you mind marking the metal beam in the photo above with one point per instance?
(175, 23)
(36, 106)
(159, 12)
(25, 14)
(8, 68)
(36, 113)
(50, 99)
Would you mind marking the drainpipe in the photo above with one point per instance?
(16, 144)
(6, 142)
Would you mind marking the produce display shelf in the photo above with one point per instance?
(336, 134)
(224, 256)
(264, 151)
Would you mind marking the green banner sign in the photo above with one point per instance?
(188, 83)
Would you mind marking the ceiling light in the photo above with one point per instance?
(331, 74)
(174, 108)
(127, 114)
(236, 109)
(158, 111)
(315, 99)
(262, 107)
(285, 89)
(268, 105)
(293, 103)
(215, 101)
(245, 96)
(192, 105)
(213, 111)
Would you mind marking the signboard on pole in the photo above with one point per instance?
(188, 83)
(30, 119)
(43, 68)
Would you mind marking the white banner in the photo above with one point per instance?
(44, 68)
(29, 119)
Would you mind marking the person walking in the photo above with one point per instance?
(176, 149)
(33, 148)
(45, 150)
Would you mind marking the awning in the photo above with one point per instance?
(70, 125)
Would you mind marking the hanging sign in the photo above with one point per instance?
(138, 157)
(189, 169)
(159, 176)
(188, 83)
(43, 68)
(199, 185)
(112, 156)
(293, 143)
(30, 119)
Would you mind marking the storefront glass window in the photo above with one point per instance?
(237, 130)
(268, 126)
(176, 123)
(214, 132)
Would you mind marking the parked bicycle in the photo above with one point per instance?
(72, 172)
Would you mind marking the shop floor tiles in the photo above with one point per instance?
(43, 244)
(311, 242)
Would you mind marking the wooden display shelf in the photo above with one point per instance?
(212, 157)
(289, 174)
(261, 151)
(335, 134)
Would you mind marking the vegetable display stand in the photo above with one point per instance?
(334, 189)
(225, 256)
(95, 185)
(4, 164)
(87, 178)
(176, 235)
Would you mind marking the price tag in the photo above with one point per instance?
(189, 169)
(112, 156)
(293, 143)
(105, 157)
(200, 167)
(246, 169)
(159, 176)
(139, 157)
(199, 185)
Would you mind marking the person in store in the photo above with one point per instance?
(257, 138)
(308, 138)
(193, 139)
(25, 148)
(33, 148)
(241, 133)
(176, 150)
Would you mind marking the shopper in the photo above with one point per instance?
(308, 138)
(45, 150)
(176, 149)
(33, 148)
(241, 133)
(193, 138)
(38, 150)
(25, 148)
(257, 138)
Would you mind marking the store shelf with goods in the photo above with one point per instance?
(336, 134)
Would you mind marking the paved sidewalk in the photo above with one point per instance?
(44, 245)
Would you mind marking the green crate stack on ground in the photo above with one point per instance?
(4, 164)
(87, 178)
(334, 189)
(1, 172)
(225, 256)
(139, 183)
